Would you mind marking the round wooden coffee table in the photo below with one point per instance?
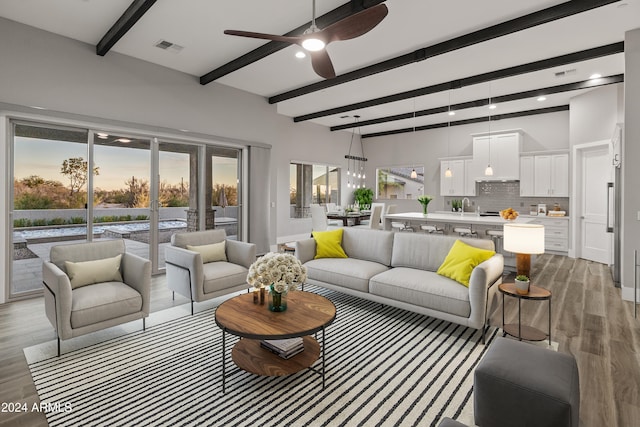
(307, 313)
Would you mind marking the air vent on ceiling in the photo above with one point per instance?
(167, 45)
(565, 73)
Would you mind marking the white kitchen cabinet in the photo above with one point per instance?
(527, 176)
(556, 233)
(544, 175)
(501, 151)
(551, 175)
(453, 185)
(469, 177)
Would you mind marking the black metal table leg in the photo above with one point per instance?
(323, 356)
(519, 319)
(549, 320)
(504, 333)
(224, 359)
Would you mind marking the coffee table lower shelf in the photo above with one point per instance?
(249, 356)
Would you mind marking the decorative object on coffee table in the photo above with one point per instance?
(522, 284)
(278, 272)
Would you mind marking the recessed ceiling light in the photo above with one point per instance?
(595, 76)
(542, 98)
(102, 135)
(37, 108)
(493, 106)
(124, 140)
(300, 54)
(452, 113)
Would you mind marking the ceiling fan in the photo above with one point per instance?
(314, 40)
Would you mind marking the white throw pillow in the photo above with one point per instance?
(90, 272)
(210, 253)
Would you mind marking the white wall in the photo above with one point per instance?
(595, 114)
(68, 79)
(631, 152)
(541, 132)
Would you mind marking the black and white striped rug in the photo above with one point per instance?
(385, 366)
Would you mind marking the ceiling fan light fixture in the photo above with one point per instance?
(312, 44)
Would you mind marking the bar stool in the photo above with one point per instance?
(496, 236)
(465, 232)
(400, 226)
(431, 229)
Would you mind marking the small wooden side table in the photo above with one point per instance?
(520, 331)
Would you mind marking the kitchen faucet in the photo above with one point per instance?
(468, 204)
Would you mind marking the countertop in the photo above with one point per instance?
(456, 217)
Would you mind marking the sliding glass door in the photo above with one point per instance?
(49, 197)
(75, 185)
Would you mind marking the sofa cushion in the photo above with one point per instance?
(96, 271)
(329, 244)
(103, 301)
(368, 244)
(422, 288)
(346, 272)
(461, 260)
(210, 253)
(223, 275)
(197, 238)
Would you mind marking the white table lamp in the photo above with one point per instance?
(524, 240)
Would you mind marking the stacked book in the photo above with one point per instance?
(284, 348)
(556, 213)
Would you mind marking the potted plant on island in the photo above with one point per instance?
(522, 284)
(424, 201)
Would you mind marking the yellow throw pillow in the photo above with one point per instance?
(329, 244)
(210, 253)
(90, 272)
(461, 260)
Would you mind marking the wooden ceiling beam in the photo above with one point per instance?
(337, 14)
(570, 58)
(128, 19)
(469, 121)
(585, 84)
(524, 22)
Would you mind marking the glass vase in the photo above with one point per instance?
(424, 209)
(277, 300)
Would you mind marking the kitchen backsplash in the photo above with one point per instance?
(495, 196)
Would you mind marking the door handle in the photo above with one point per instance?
(609, 188)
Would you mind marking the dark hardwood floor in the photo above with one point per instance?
(589, 321)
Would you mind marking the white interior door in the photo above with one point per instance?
(595, 173)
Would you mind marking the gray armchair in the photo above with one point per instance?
(199, 281)
(93, 286)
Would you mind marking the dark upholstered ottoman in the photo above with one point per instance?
(519, 384)
(448, 422)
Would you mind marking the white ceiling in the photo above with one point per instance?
(198, 26)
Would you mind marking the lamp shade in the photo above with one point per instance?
(524, 238)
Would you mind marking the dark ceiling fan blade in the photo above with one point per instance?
(286, 39)
(321, 64)
(356, 25)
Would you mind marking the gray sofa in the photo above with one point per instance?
(190, 277)
(104, 302)
(399, 269)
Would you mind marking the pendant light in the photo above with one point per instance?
(448, 173)
(356, 177)
(489, 170)
(414, 174)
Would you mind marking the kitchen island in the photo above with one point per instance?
(450, 219)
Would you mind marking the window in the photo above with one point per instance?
(400, 182)
(312, 184)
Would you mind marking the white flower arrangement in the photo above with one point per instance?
(284, 271)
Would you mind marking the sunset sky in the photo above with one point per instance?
(117, 164)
